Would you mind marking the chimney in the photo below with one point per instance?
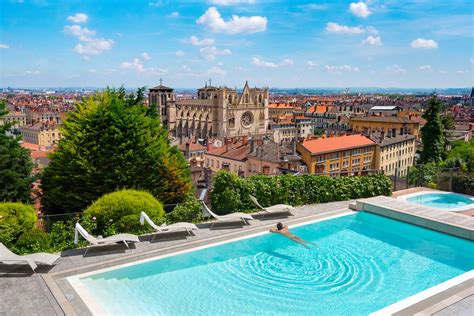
(186, 151)
(293, 147)
(244, 140)
(382, 135)
(252, 145)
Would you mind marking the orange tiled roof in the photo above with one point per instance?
(235, 151)
(418, 120)
(322, 145)
(280, 106)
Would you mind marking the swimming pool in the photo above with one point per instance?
(442, 200)
(363, 263)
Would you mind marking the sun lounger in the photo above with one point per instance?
(163, 229)
(232, 217)
(274, 209)
(95, 242)
(8, 257)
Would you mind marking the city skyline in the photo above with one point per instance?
(269, 43)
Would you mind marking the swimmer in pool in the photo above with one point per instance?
(283, 230)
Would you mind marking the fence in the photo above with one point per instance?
(429, 176)
(45, 220)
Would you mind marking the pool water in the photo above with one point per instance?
(442, 200)
(363, 262)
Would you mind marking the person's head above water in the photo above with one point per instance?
(279, 226)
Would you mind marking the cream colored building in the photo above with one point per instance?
(215, 112)
(41, 134)
(394, 153)
(348, 154)
(14, 117)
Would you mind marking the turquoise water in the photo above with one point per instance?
(441, 200)
(363, 263)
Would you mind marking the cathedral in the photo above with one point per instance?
(214, 112)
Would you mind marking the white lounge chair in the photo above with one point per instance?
(232, 217)
(8, 257)
(163, 229)
(95, 242)
(274, 209)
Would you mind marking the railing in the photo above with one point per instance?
(350, 173)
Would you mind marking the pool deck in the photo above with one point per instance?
(47, 292)
(447, 222)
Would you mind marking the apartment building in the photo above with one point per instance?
(392, 124)
(41, 134)
(342, 154)
(394, 153)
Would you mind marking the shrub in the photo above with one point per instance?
(464, 183)
(15, 219)
(188, 211)
(33, 240)
(110, 142)
(231, 193)
(119, 212)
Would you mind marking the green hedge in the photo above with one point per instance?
(231, 193)
(464, 183)
(15, 219)
(187, 211)
(119, 212)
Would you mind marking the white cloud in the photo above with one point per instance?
(262, 63)
(32, 72)
(186, 68)
(268, 64)
(93, 46)
(200, 42)
(231, 2)
(156, 4)
(217, 71)
(92, 71)
(210, 52)
(78, 31)
(312, 64)
(461, 72)
(395, 69)
(88, 44)
(286, 62)
(179, 53)
(313, 6)
(137, 65)
(443, 72)
(174, 14)
(213, 20)
(340, 69)
(4, 46)
(427, 68)
(471, 60)
(145, 56)
(373, 41)
(360, 9)
(332, 27)
(78, 18)
(372, 30)
(424, 43)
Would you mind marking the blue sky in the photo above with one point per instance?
(383, 43)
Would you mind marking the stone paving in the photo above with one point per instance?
(24, 293)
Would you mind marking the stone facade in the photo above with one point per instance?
(215, 112)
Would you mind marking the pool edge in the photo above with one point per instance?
(54, 280)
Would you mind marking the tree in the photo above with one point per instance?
(433, 134)
(15, 165)
(111, 142)
(462, 154)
